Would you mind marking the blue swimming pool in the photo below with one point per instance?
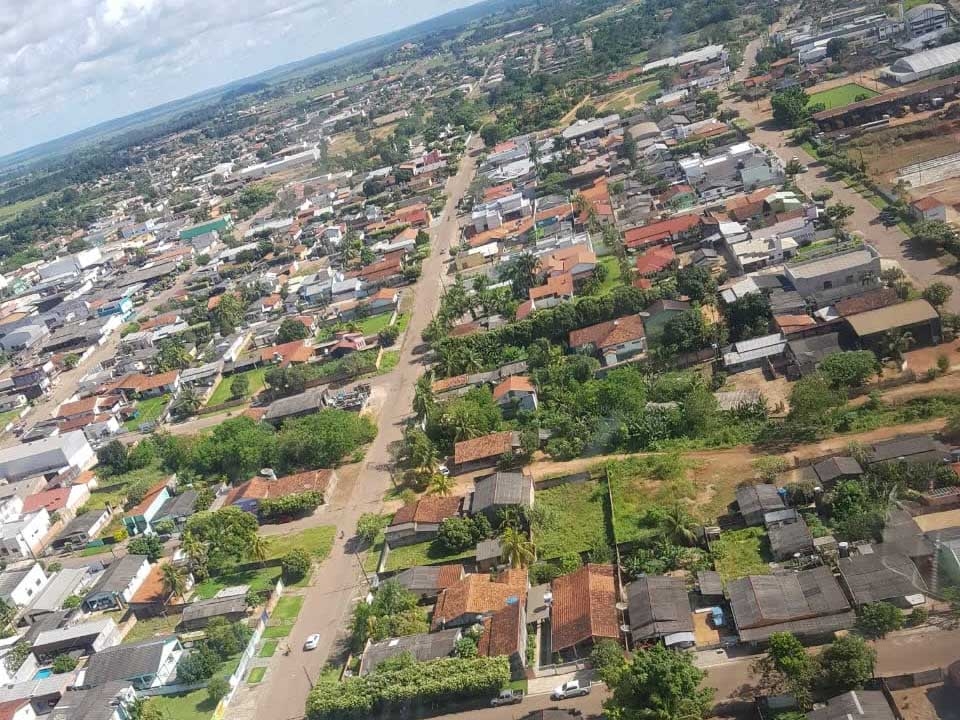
(43, 673)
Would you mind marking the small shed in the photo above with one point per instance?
(755, 501)
(489, 554)
(789, 539)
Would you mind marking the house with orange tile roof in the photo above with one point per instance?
(248, 495)
(152, 598)
(614, 341)
(584, 610)
(929, 208)
(673, 230)
(516, 391)
(558, 289)
(140, 385)
(294, 352)
(95, 405)
(579, 261)
(485, 451)
(656, 260)
(420, 520)
(505, 634)
(478, 596)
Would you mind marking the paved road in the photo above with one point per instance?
(891, 242)
(339, 581)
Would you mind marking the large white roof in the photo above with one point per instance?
(929, 59)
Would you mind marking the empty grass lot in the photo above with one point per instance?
(269, 648)
(152, 627)
(375, 323)
(571, 519)
(283, 618)
(260, 579)
(147, 411)
(640, 484)
(739, 553)
(388, 361)
(425, 553)
(221, 393)
(195, 705)
(317, 541)
(840, 95)
(613, 273)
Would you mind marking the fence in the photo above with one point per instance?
(248, 653)
(553, 482)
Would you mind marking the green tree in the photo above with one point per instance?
(522, 273)
(812, 401)
(292, 329)
(295, 565)
(879, 618)
(388, 336)
(696, 282)
(659, 684)
(844, 665)
(937, 294)
(71, 360)
(849, 369)
(423, 400)
(217, 689)
(748, 316)
(679, 526)
(227, 533)
(685, 332)
(370, 525)
(228, 313)
(259, 548)
(586, 111)
(608, 660)
(64, 664)
(790, 107)
(149, 545)
(174, 580)
(172, 355)
(187, 403)
(113, 457)
(787, 668)
(239, 387)
(895, 345)
(516, 549)
(441, 484)
(838, 214)
(934, 234)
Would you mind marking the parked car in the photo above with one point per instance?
(312, 642)
(571, 689)
(507, 697)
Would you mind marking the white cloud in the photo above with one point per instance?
(87, 61)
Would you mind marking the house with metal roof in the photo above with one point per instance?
(86, 639)
(145, 665)
(82, 529)
(118, 584)
(199, 613)
(753, 353)
(808, 603)
(428, 581)
(790, 539)
(855, 705)
(881, 577)
(499, 491)
(755, 501)
(835, 272)
(62, 584)
(659, 609)
(110, 701)
(918, 317)
(423, 647)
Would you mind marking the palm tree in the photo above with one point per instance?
(516, 548)
(423, 400)
(259, 548)
(174, 580)
(679, 527)
(522, 273)
(441, 484)
(838, 215)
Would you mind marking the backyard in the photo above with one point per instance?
(375, 323)
(638, 485)
(570, 518)
(425, 553)
(612, 280)
(739, 553)
(195, 705)
(221, 393)
(148, 410)
(152, 627)
(841, 95)
(113, 489)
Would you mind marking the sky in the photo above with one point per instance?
(70, 64)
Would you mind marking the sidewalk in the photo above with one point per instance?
(545, 685)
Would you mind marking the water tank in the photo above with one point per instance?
(843, 549)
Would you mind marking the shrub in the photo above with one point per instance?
(72, 602)
(388, 336)
(198, 666)
(607, 659)
(295, 565)
(879, 618)
(217, 689)
(63, 664)
(918, 616)
(370, 525)
(295, 505)
(458, 534)
(148, 545)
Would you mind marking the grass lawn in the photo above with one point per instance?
(516, 685)
(222, 392)
(573, 519)
(841, 95)
(402, 321)
(388, 361)
(256, 675)
(277, 632)
(639, 484)
(739, 553)
(114, 489)
(262, 579)
(612, 280)
(287, 609)
(195, 705)
(372, 558)
(317, 541)
(147, 411)
(146, 629)
(646, 91)
(375, 323)
(425, 553)
(9, 417)
(268, 649)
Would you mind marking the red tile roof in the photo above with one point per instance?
(584, 606)
(53, 500)
(261, 488)
(479, 594)
(556, 286)
(295, 351)
(497, 191)
(8, 710)
(793, 323)
(501, 632)
(926, 203)
(656, 260)
(514, 383)
(138, 382)
(662, 230)
(488, 446)
(873, 300)
(148, 499)
(606, 334)
(428, 509)
(159, 321)
(450, 383)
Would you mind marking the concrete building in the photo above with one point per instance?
(20, 587)
(23, 538)
(836, 272)
(47, 457)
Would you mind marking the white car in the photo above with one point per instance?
(443, 470)
(312, 642)
(570, 689)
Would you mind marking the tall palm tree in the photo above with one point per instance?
(679, 527)
(423, 399)
(516, 548)
(522, 273)
(174, 580)
(441, 484)
(259, 548)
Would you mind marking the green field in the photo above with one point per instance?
(268, 649)
(638, 485)
(739, 553)
(262, 579)
(317, 541)
(840, 95)
(147, 411)
(113, 489)
(222, 392)
(612, 280)
(388, 361)
(152, 627)
(8, 212)
(571, 519)
(375, 323)
(425, 553)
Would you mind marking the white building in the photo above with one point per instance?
(23, 538)
(47, 456)
(20, 587)
(923, 64)
(70, 264)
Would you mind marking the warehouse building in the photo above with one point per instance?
(923, 64)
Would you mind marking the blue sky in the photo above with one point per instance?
(67, 65)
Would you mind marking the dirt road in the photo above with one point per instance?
(339, 581)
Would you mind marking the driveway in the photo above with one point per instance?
(339, 582)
